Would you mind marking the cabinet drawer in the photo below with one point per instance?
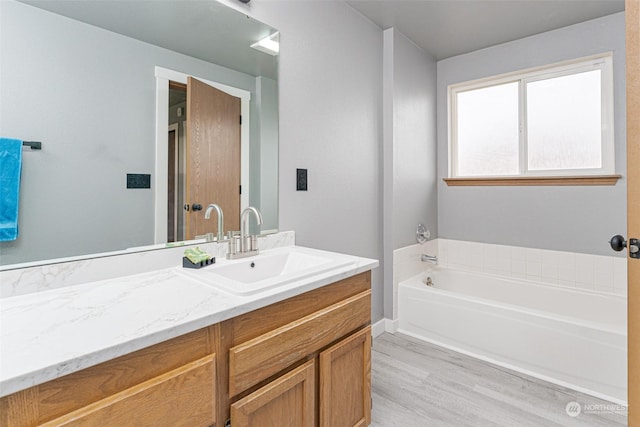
(182, 397)
(270, 353)
(69, 393)
(255, 323)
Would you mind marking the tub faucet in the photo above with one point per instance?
(248, 244)
(207, 215)
(429, 258)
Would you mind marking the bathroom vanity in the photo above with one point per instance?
(293, 355)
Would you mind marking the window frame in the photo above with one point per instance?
(602, 62)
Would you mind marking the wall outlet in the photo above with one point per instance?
(301, 180)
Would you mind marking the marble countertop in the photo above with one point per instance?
(45, 335)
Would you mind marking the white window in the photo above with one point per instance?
(548, 121)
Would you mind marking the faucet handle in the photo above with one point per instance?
(422, 234)
(234, 243)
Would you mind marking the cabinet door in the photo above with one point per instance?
(182, 397)
(288, 401)
(345, 382)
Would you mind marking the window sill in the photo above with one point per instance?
(534, 180)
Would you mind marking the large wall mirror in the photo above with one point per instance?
(105, 85)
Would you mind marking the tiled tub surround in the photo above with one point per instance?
(576, 270)
(591, 272)
(46, 334)
(483, 303)
(406, 264)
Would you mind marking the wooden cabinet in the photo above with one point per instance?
(169, 384)
(301, 362)
(182, 397)
(287, 401)
(343, 392)
(270, 353)
(331, 333)
(345, 382)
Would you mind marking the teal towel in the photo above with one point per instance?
(10, 166)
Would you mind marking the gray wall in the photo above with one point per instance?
(267, 109)
(330, 75)
(409, 147)
(414, 141)
(577, 219)
(89, 96)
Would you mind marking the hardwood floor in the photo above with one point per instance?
(420, 384)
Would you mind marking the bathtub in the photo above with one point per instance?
(570, 337)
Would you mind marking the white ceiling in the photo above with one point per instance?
(443, 28)
(206, 30)
(446, 28)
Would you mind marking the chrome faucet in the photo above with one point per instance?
(245, 245)
(207, 215)
(429, 258)
(248, 245)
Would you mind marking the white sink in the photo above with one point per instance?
(269, 269)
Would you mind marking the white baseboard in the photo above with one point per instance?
(384, 325)
(391, 326)
(378, 328)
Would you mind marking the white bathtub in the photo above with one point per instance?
(571, 337)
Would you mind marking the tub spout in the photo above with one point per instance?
(429, 258)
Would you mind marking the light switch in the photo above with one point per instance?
(138, 180)
(301, 180)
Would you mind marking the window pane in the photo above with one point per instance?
(487, 131)
(564, 122)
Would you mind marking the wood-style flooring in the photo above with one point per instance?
(417, 384)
